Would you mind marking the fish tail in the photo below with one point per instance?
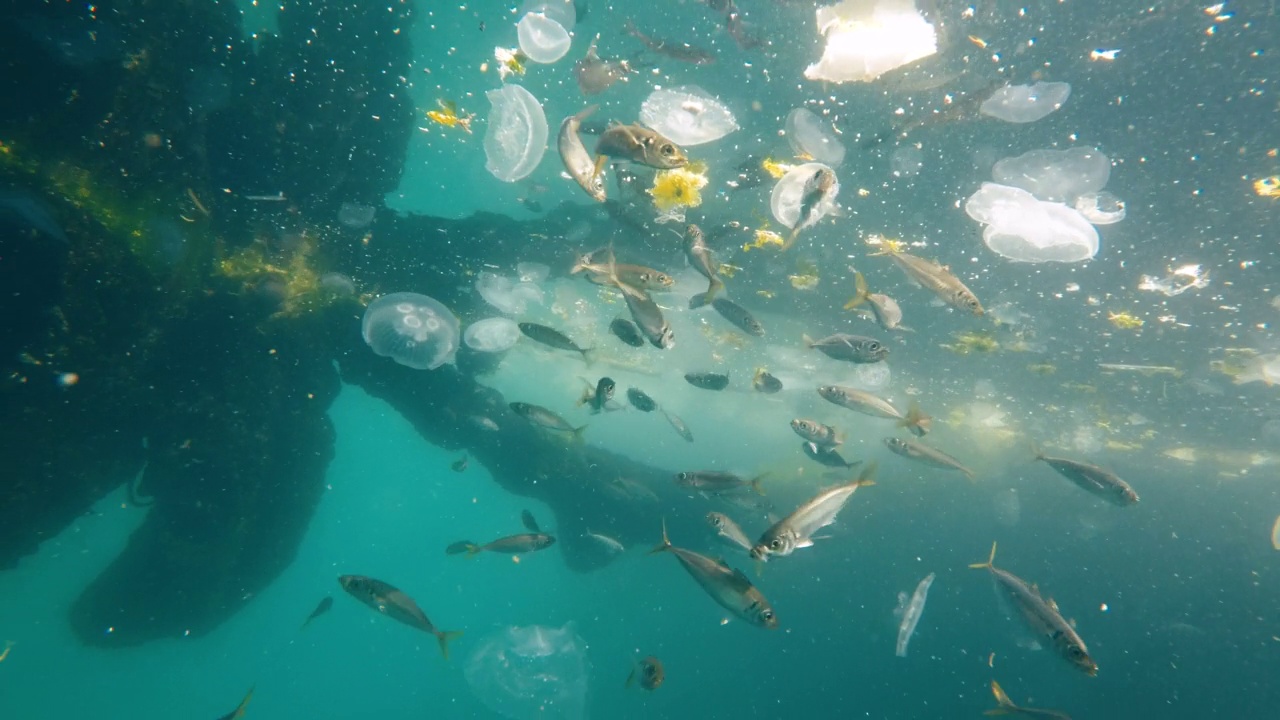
(462, 546)
(791, 239)
(666, 541)
(699, 300)
(587, 356)
(587, 111)
(916, 420)
(630, 678)
(577, 434)
(861, 293)
(989, 564)
(756, 487)
(1002, 699)
(866, 478)
(715, 286)
(808, 341)
(1036, 452)
(443, 637)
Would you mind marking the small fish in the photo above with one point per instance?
(701, 260)
(1099, 481)
(817, 191)
(1005, 706)
(634, 276)
(613, 545)
(765, 383)
(510, 545)
(639, 145)
(916, 421)
(321, 609)
(823, 436)
(910, 612)
(633, 490)
(551, 338)
(918, 451)
(827, 456)
(600, 397)
(796, 530)
(936, 278)
(577, 161)
(239, 711)
(640, 400)
(461, 464)
(648, 317)
(849, 348)
(544, 418)
(729, 530)
(684, 52)
(716, 481)
(728, 587)
(595, 75)
(650, 672)
(627, 332)
(679, 425)
(883, 308)
(449, 116)
(1141, 369)
(529, 521)
(738, 315)
(1041, 615)
(390, 601)
(8, 645)
(707, 380)
(859, 401)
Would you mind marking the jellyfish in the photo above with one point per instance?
(1026, 103)
(516, 138)
(1100, 208)
(532, 272)
(867, 38)
(355, 215)
(509, 298)
(687, 115)
(809, 135)
(412, 329)
(492, 335)
(531, 673)
(906, 161)
(563, 12)
(337, 285)
(788, 196)
(1022, 228)
(1059, 175)
(542, 39)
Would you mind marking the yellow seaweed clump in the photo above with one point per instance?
(1125, 321)
(678, 188)
(256, 264)
(763, 238)
(971, 342)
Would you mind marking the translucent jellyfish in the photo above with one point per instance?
(542, 39)
(337, 285)
(867, 38)
(1059, 175)
(562, 11)
(906, 161)
(492, 335)
(355, 215)
(687, 115)
(1026, 103)
(412, 329)
(1022, 228)
(532, 272)
(531, 673)
(810, 135)
(516, 138)
(1100, 208)
(788, 195)
(509, 298)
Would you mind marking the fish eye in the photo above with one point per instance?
(667, 150)
(767, 615)
(873, 346)
(1076, 652)
(776, 543)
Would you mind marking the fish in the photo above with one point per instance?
(627, 332)
(8, 645)
(707, 380)
(916, 421)
(509, 545)
(577, 161)
(684, 52)
(910, 612)
(529, 521)
(817, 189)
(460, 465)
(823, 436)
(926, 454)
(552, 338)
(796, 530)
(727, 586)
(650, 672)
(859, 401)
(448, 116)
(544, 418)
(765, 383)
(935, 278)
(701, 260)
(634, 276)
(1142, 369)
(633, 489)
(1097, 480)
(827, 456)
(1005, 706)
(729, 530)
(321, 609)
(1041, 615)
(395, 604)
(613, 545)
(239, 711)
(648, 317)
(595, 75)
(849, 348)
(600, 397)
(639, 145)
(883, 308)
(640, 400)
(718, 481)
(738, 315)
(679, 425)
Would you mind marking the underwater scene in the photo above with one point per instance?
(694, 359)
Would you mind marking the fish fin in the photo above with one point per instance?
(601, 161)
(805, 542)
(443, 637)
(587, 356)
(861, 293)
(969, 474)
(577, 434)
(666, 541)
(755, 483)
(632, 675)
(866, 478)
(1036, 452)
(587, 394)
(915, 420)
(1035, 589)
(1002, 699)
(989, 564)
(700, 300)
(462, 546)
(808, 341)
(791, 239)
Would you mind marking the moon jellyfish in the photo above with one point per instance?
(509, 298)
(531, 673)
(532, 272)
(1100, 208)
(355, 215)
(516, 138)
(562, 11)
(906, 161)
(687, 115)
(336, 284)
(867, 38)
(412, 329)
(1026, 103)
(810, 135)
(788, 195)
(542, 39)
(1059, 175)
(1022, 228)
(492, 335)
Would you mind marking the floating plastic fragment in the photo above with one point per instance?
(1026, 103)
(687, 115)
(1187, 277)
(492, 335)
(516, 138)
(810, 135)
(1100, 208)
(1022, 228)
(412, 329)
(542, 39)
(1059, 175)
(867, 38)
(788, 195)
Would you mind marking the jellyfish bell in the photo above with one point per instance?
(516, 138)
(1100, 208)
(687, 115)
(1024, 229)
(509, 298)
(414, 330)
(1058, 175)
(788, 196)
(562, 11)
(867, 38)
(809, 135)
(532, 272)
(355, 215)
(906, 161)
(1026, 103)
(531, 673)
(542, 39)
(492, 335)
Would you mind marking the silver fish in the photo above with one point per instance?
(885, 310)
(1099, 481)
(729, 530)
(649, 318)
(611, 544)
(700, 258)
(796, 530)
(717, 481)
(395, 604)
(738, 315)
(937, 279)
(859, 401)
(827, 456)
(815, 432)
(849, 348)
(678, 424)
(577, 161)
(728, 587)
(510, 545)
(918, 451)
(639, 145)
(910, 612)
(817, 188)
(544, 418)
(595, 75)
